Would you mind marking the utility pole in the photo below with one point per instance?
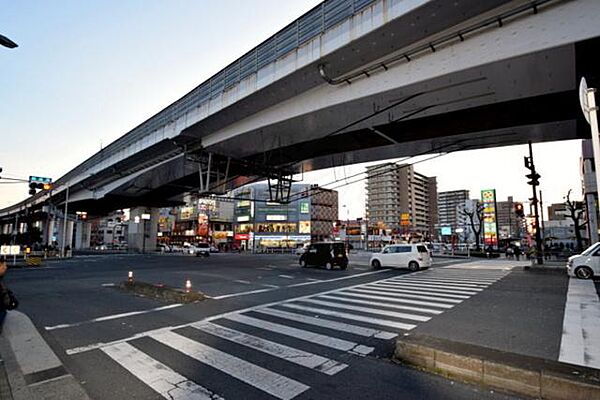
(542, 217)
(64, 238)
(534, 182)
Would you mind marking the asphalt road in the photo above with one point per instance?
(269, 330)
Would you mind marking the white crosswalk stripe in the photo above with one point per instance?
(380, 304)
(156, 375)
(442, 281)
(423, 294)
(348, 320)
(369, 310)
(381, 296)
(354, 317)
(430, 286)
(309, 360)
(325, 323)
(323, 340)
(259, 377)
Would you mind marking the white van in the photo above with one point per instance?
(585, 265)
(411, 256)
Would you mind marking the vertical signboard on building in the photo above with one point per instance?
(490, 224)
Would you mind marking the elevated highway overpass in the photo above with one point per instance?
(354, 81)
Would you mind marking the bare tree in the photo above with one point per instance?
(475, 216)
(575, 212)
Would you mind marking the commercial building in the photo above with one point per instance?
(200, 220)
(509, 225)
(450, 211)
(400, 200)
(109, 231)
(557, 212)
(260, 224)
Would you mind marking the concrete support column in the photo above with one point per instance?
(141, 233)
(83, 232)
(69, 236)
(47, 231)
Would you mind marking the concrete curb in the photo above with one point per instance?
(33, 370)
(506, 372)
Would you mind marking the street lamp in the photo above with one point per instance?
(6, 42)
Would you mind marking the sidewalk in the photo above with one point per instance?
(30, 370)
(516, 324)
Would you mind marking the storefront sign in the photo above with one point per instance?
(490, 226)
(304, 208)
(304, 227)
(242, 236)
(186, 212)
(243, 218)
(276, 217)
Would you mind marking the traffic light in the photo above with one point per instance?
(38, 182)
(534, 179)
(519, 210)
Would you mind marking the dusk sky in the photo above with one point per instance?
(86, 73)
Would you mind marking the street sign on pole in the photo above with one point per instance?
(12, 250)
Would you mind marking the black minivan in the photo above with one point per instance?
(325, 254)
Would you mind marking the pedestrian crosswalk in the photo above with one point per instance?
(280, 349)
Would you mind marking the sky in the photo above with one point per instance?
(87, 72)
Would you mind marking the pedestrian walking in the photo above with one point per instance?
(517, 253)
(8, 301)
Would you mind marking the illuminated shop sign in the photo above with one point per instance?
(490, 226)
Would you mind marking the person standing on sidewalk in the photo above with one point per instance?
(8, 301)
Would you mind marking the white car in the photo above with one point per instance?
(585, 265)
(411, 256)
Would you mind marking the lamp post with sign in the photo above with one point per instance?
(587, 100)
(145, 217)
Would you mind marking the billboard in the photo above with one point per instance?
(490, 220)
(446, 230)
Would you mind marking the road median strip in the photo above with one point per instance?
(162, 292)
(507, 372)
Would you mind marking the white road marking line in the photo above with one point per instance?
(353, 317)
(434, 286)
(111, 317)
(265, 268)
(430, 288)
(259, 377)
(379, 304)
(463, 278)
(442, 281)
(427, 291)
(314, 280)
(326, 323)
(395, 300)
(580, 342)
(286, 276)
(360, 268)
(270, 286)
(369, 310)
(226, 296)
(407, 294)
(467, 274)
(242, 281)
(108, 284)
(323, 340)
(98, 345)
(339, 279)
(287, 353)
(156, 375)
